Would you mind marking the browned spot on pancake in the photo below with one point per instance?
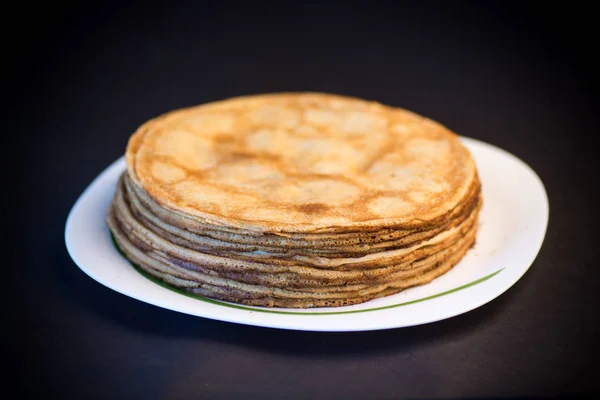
(242, 155)
(313, 208)
(224, 139)
(228, 154)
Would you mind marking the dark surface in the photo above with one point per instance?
(517, 78)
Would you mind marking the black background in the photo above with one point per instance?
(81, 78)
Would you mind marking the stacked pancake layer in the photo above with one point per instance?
(295, 200)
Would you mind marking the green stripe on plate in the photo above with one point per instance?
(268, 311)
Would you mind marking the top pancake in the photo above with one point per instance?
(300, 162)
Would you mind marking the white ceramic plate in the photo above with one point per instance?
(512, 228)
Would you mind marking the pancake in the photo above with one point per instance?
(305, 162)
(295, 200)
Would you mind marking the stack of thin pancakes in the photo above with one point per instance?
(295, 200)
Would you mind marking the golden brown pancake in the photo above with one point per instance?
(295, 200)
(302, 162)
